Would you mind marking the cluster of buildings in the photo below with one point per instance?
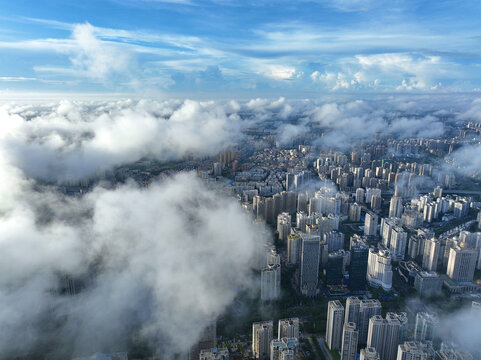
(284, 347)
(360, 325)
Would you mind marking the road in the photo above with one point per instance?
(325, 352)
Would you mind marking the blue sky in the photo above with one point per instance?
(242, 48)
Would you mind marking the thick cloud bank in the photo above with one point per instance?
(159, 262)
(74, 140)
(78, 140)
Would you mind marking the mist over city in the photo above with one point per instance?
(259, 180)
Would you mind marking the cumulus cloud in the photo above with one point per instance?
(427, 126)
(161, 262)
(80, 140)
(332, 81)
(466, 159)
(279, 72)
(398, 71)
(94, 57)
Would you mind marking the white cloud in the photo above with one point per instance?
(95, 58)
(279, 72)
(80, 140)
(332, 81)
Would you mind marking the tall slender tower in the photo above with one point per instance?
(310, 251)
(349, 341)
(262, 333)
(335, 318)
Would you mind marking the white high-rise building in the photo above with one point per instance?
(335, 319)
(334, 240)
(385, 230)
(395, 207)
(355, 212)
(310, 255)
(284, 349)
(398, 243)
(288, 328)
(368, 309)
(293, 248)
(384, 336)
(370, 192)
(379, 269)
(461, 263)
(353, 310)
(370, 224)
(415, 350)
(432, 249)
(272, 257)
(349, 341)
(271, 282)
(426, 326)
(284, 226)
(360, 195)
(262, 333)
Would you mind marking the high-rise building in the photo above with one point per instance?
(432, 250)
(353, 309)
(302, 220)
(360, 195)
(387, 224)
(370, 192)
(335, 318)
(271, 282)
(284, 349)
(284, 226)
(358, 264)
(398, 243)
(334, 240)
(438, 192)
(309, 274)
(370, 224)
(368, 309)
(369, 354)
(355, 212)
(415, 350)
(214, 354)
(272, 257)
(384, 335)
(288, 328)
(379, 269)
(426, 327)
(334, 271)
(452, 354)
(349, 341)
(262, 334)
(395, 207)
(461, 263)
(376, 202)
(428, 283)
(293, 248)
